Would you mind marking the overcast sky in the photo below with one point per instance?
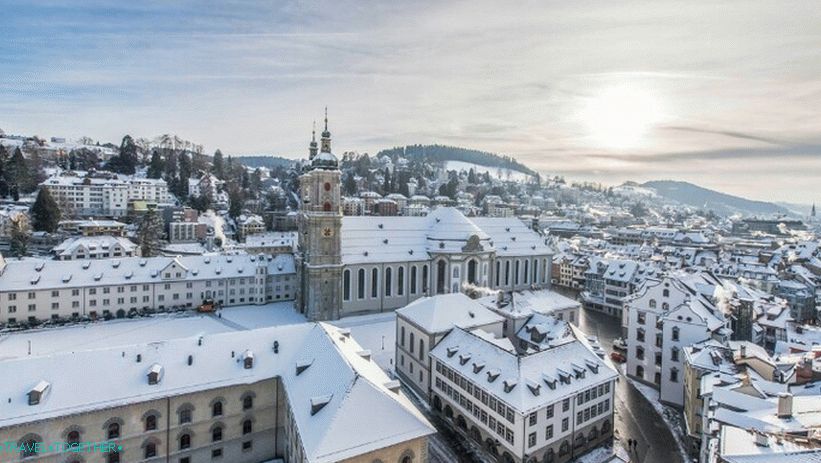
(723, 94)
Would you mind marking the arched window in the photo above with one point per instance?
(374, 283)
(516, 273)
(216, 408)
(676, 332)
(388, 275)
(472, 279)
(527, 271)
(665, 306)
(247, 427)
(441, 277)
(407, 456)
(113, 431)
(666, 293)
(151, 422)
(185, 441)
(400, 281)
(412, 342)
(402, 336)
(534, 271)
(150, 450)
(498, 272)
(326, 207)
(73, 437)
(216, 434)
(248, 402)
(360, 284)
(27, 447)
(507, 273)
(346, 279)
(113, 457)
(421, 349)
(652, 303)
(425, 278)
(413, 280)
(184, 414)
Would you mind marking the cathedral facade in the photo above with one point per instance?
(366, 264)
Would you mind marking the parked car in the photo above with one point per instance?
(617, 357)
(619, 344)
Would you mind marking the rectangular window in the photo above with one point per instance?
(566, 405)
(549, 411)
(531, 439)
(548, 432)
(532, 419)
(565, 424)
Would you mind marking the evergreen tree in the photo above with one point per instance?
(472, 176)
(17, 174)
(45, 214)
(149, 233)
(185, 174)
(4, 185)
(350, 184)
(156, 167)
(386, 187)
(218, 168)
(126, 161)
(20, 235)
(235, 201)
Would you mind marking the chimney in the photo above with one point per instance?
(785, 405)
(742, 351)
(761, 439)
(500, 298)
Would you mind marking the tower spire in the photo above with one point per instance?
(312, 148)
(326, 135)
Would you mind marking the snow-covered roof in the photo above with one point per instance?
(441, 313)
(93, 244)
(361, 410)
(524, 382)
(368, 239)
(30, 274)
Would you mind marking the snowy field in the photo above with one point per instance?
(159, 327)
(507, 174)
(260, 316)
(99, 334)
(376, 332)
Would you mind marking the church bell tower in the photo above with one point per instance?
(319, 258)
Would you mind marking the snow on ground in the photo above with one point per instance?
(670, 416)
(376, 332)
(160, 327)
(100, 334)
(605, 454)
(259, 316)
(507, 174)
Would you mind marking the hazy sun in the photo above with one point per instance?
(620, 116)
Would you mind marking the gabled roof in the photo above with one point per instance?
(438, 314)
(353, 391)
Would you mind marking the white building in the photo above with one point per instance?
(663, 317)
(107, 195)
(297, 393)
(423, 323)
(36, 290)
(551, 401)
(95, 247)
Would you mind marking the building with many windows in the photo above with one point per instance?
(546, 397)
(36, 290)
(300, 393)
(95, 247)
(84, 194)
(362, 264)
(663, 317)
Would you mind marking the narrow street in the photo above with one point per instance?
(635, 416)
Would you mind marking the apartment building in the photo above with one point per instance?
(96, 247)
(551, 402)
(104, 194)
(36, 290)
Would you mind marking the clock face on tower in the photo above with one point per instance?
(327, 232)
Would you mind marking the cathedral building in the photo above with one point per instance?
(354, 265)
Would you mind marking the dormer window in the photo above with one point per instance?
(248, 360)
(155, 374)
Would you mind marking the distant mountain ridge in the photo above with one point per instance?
(267, 161)
(442, 153)
(720, 203)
